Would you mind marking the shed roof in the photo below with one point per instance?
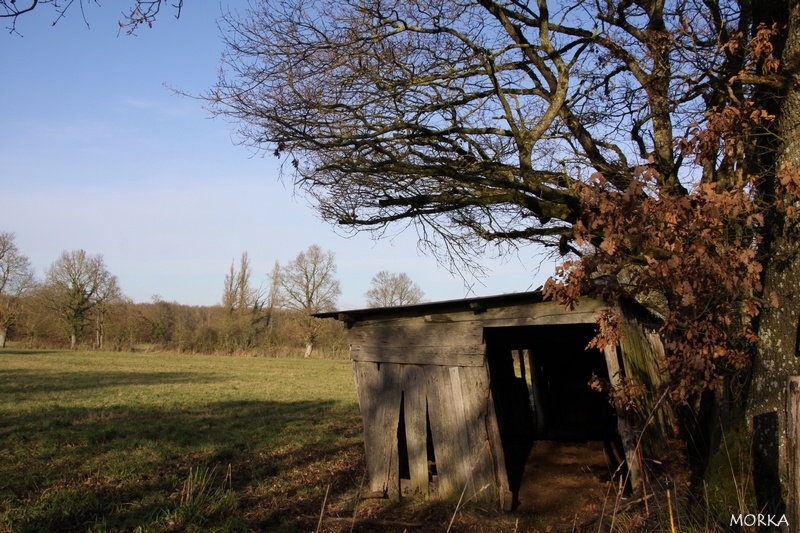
(476, 304)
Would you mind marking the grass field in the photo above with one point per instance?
(102, 442)
(93, 441)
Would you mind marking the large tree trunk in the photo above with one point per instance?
(3, 334)
(776, 358)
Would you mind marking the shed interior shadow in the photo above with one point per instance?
(540, 379)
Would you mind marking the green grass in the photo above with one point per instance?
(109, 442)
(93, 441)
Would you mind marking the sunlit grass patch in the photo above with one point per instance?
(110, 441)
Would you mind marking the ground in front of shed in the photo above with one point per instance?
(566, 485)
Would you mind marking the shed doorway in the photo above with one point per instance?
(540, 388)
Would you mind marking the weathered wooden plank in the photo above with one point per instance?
(624, 427)
(475, 393)
(417, 332)
(545, 312)
(462, 443)
(438, 318)
(363, 377)
(458, 409)
(642, 354)
(443, 431)
(496, 450)
(665, 417)
(793, 449)
(393, 466)
(379, 400)
(471, 355)
(544, 320)
(527, 314)
(414, 409)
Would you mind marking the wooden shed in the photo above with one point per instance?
(453, 393)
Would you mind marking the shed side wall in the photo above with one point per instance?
(438, 362)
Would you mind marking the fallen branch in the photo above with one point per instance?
(625, 505)
(322, 510)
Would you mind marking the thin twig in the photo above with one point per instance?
(616, 504)
(457, 506)
(358, 497)
(605, 501)
(466, 484)
(644, 482)
(322, 511)
(637, 448)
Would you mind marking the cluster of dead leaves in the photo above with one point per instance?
(691, 256)
(694, 255)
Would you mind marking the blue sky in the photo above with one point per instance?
(97, 152)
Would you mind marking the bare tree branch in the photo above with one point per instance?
(140, 13)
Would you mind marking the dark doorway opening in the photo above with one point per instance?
(540, 379)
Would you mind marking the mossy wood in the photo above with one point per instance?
(453, 393)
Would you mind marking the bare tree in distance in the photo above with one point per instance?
(240, 295)
(388, 289)
(16, 279)
(309, 282)
(108, 293)
(76, 285)
(273, 299)
(243, 304)
(308, 285)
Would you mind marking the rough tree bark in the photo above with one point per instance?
(777, 353)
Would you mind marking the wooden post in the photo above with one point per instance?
(793, 450)
(624, 427)
(536, 394)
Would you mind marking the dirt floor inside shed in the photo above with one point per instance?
(565, 485)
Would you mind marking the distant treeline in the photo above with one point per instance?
(169, 326)
(79, 303)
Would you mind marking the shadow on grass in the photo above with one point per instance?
(9, 351)
(65, 469)
(16, 384)
(200, 464)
